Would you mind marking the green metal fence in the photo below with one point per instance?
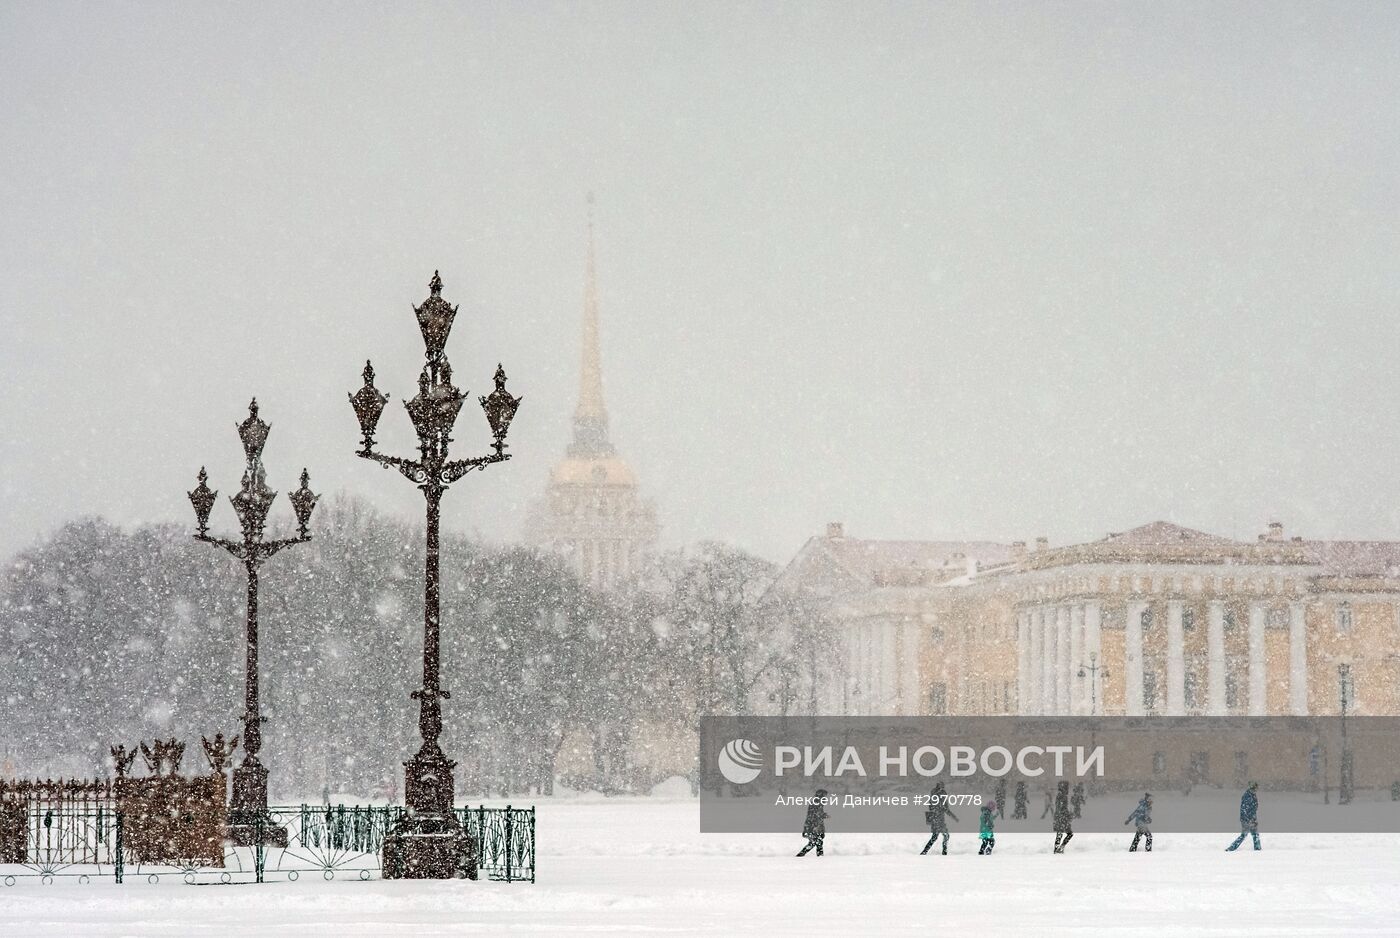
(336, 842)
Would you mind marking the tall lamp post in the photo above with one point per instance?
(429, 843)
(248, 810)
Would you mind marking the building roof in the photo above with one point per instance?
(1159, 533)
(1352, 558)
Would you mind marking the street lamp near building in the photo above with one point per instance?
(248, 808)
(429, 843)
(1092, 670)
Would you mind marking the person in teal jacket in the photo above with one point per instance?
(1142, 815)
(989, 839)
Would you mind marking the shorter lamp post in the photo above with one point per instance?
(248, 809)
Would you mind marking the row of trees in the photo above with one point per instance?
(111, 636)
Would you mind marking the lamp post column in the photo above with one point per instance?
(429, 842)
(248, 806)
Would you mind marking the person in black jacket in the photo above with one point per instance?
(1249, 817)
(1077, 799)
(1142, 814)
(1019, 812)
(1062, 817)
(1001, 797)
(814, 828)
(937, 823)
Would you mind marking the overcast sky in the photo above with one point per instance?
(935, 270)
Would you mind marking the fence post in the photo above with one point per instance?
(509, 815)
(532, 843)
(119, 867)
(259, 855)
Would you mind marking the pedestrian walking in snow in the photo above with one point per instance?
(1019, 812)
(935, 816)
(814, 828)
(988, 823)
(1249, 817)
(1001, 797)
(1049, 803)
(1077, 799)
(1142, 815)
(1062, 816)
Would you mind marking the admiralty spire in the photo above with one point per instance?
(592, 512)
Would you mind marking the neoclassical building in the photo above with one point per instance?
(1157, 620)
(592, 512)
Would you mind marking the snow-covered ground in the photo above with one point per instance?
(630, 867)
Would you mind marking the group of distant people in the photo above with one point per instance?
(1063, 804)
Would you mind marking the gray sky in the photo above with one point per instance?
(991, 270)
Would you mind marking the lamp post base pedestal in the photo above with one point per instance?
(428, 848)
(428, 842)
(248, 820)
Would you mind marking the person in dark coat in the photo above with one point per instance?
(814, 828)
(988, 831)
(1001, 797)
(1249, 817)
(1077, 799)
(1049, 803)
(935, 816)
(1019, 812)
(1062, 816)
(1142, 814)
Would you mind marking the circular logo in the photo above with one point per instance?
(740, 761)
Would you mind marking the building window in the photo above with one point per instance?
(1277, 617)
(1159, 763)
(935, 634)
(1149, 689)
(1147, 619)
(938, 699)
(1189, 684)
(1188, 618)
(1232, 691)
(1228, 622)
(1344, 617)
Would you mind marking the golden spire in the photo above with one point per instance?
(590, 381)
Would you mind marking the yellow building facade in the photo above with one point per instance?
(1157, 620)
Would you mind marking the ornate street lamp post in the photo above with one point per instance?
(248, 810)
(429, 843)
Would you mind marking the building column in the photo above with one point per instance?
(1023, 661)
(891, 668)
(1132, 660)
(1078, 699)
(1047, 660)
(1176, 660)
(1062, 662)
(1215, 659)
(1035, 674)
(1093, 695)
(1258, 683)
(1297, 659)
